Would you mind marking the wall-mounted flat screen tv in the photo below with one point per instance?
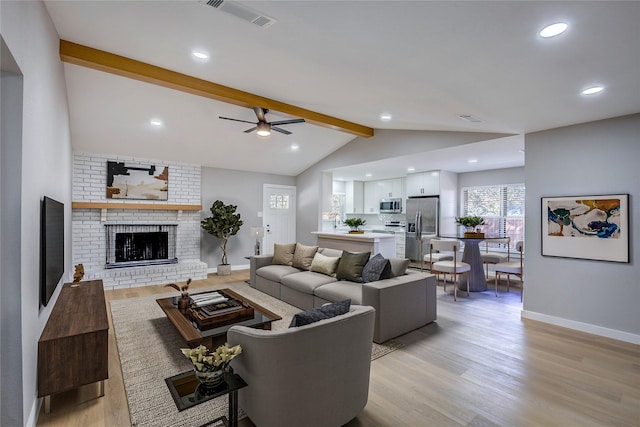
(51, 247)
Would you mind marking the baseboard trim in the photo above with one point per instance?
(582, 327)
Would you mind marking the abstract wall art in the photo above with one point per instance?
(586, 227)
(137, 181)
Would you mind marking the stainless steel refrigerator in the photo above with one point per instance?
(422, 222)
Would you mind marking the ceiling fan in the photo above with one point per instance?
(264, 127)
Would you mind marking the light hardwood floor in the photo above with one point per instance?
(478, 365)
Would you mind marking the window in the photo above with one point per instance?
(279, 201)
(502, 207)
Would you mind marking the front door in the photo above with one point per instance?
(279, 218)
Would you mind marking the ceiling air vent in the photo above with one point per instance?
(240, 11)
(469, 118)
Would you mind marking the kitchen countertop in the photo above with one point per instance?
(345, 235)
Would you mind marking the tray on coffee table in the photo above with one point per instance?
(194, 335)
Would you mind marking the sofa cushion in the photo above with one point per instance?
(275, 273)
(306, 281)
(337, 291)
(325, 312)
(398, 268)
(351, 265)
(374, 268)
(331, 252)
(283, 253)
(303, 255)
(325, 264)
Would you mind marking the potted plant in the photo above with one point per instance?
(210, 367)
(471, 223)
(223, 223)
(355, 224)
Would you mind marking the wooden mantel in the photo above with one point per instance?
(142, 206)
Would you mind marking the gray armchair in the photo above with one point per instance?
(313, 375)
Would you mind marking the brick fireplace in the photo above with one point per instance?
(141, 260)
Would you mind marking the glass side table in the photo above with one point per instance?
(187, 391)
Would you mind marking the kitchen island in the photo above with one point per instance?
(382, 243)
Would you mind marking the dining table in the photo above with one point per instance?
(471, 255)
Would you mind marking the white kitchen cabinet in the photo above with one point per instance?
(354, 191)
(423, 184)
(371, 197)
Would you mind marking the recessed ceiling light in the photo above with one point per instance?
(385, 117)
(368, 175)
(472, 161)
(200, 54)
(294, 147)
(411, 169)
(156, 122)
(553, 30)
(592, 90)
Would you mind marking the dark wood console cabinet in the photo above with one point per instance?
(73, 348)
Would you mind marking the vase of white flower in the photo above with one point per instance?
(210, 378)
(210, 367)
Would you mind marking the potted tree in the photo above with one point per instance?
(223, 223)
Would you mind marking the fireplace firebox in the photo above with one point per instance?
(130, 245)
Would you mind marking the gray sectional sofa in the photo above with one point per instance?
(402, 303)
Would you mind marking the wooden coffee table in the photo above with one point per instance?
(213, 337)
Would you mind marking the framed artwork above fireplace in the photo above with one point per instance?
(137, 181)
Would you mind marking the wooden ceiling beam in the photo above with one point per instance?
(85, 56)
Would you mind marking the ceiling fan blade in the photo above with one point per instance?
(288, 122)
(235, 120)
(286, 132)
(260, 113)
(251, 130)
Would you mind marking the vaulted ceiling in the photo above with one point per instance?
(423, 62)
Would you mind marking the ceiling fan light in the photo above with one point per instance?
(263, 129)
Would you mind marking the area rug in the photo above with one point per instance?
(149, 345)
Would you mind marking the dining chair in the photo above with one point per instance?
(432, 257)
(493, 257)
(512, 268)
(452, 267)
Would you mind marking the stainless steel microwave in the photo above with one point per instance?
(391, 206)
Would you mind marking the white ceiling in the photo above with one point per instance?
(423, 62)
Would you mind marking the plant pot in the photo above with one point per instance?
(224, 269)
(210, 379)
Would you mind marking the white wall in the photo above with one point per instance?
(243, 189)
(589, 159)
(46, 169)
(10, 220)
(491, 177)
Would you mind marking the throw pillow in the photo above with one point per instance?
(327, 311)
(351, 265)
(374, 268)
(283, 254)
(325, 264)
(303, 255)
(398, 267)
